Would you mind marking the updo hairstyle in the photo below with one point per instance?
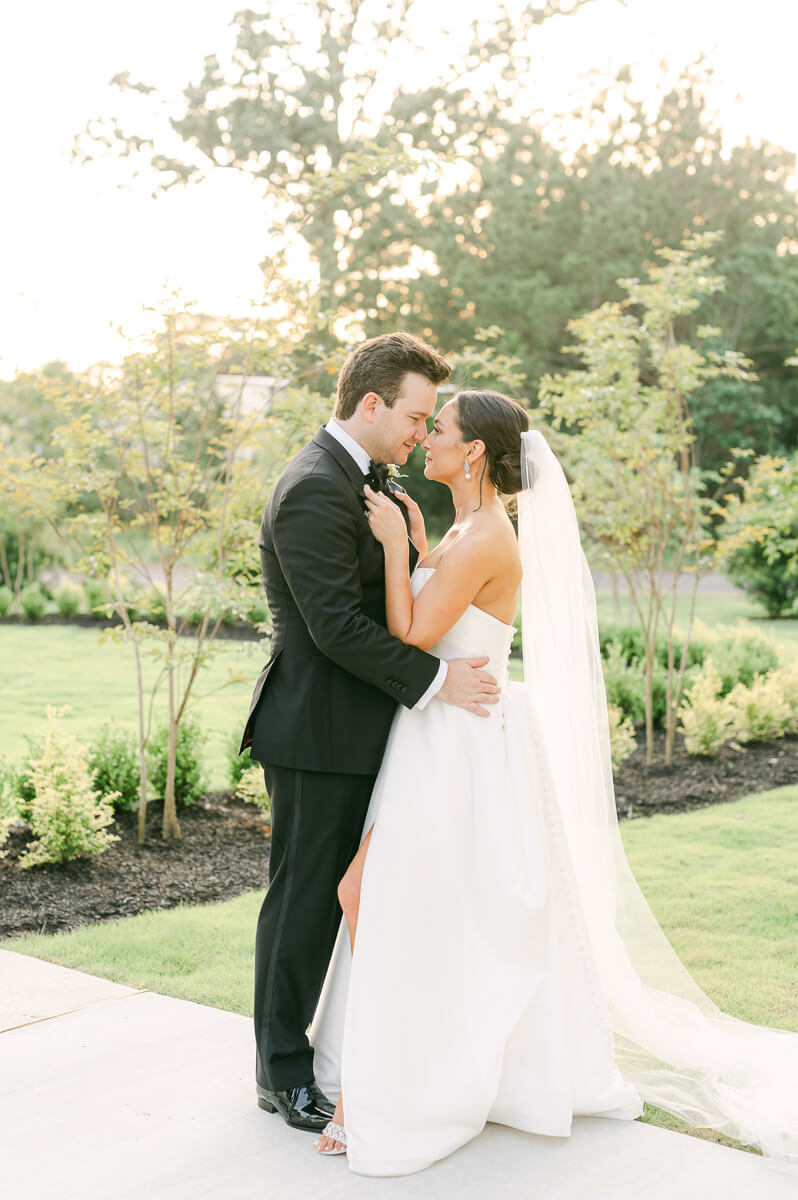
(497, 421)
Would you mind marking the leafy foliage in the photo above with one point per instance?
(300, 108)
(740, 656)
(67, 599)
(190, 784)
(625, 683)
(622, 423)
(236, 763)
(113, 762)
(33, 602)
(705, 718)
(760, 544)
(251, 787)
(759, 712)
(68, 816)
(622, 735)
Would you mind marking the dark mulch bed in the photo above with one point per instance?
(236, 631)
(223, 851)
(224, 846)
(694, 782)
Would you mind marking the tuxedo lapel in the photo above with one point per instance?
(357, 479)
(344, 460)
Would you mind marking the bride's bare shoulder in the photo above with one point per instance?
(493, 539)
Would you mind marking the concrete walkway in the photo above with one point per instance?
(107, 1093)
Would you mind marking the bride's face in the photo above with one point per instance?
(444, 445)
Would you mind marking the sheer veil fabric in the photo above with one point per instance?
(671, 1041)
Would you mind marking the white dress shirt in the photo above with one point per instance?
(363, 460)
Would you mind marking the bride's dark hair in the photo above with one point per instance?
(498, 421)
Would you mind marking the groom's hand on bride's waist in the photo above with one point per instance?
(468, 685)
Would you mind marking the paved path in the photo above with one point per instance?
(711, 584)
(107, 1093)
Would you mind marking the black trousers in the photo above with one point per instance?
(317, 822)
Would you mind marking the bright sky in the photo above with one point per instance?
(81, 256)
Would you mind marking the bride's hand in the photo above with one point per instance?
(385, 520)
(418, 532)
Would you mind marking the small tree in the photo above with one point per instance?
(161, 482)
(627, 436)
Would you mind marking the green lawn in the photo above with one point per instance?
(712, 609)
(67, 665)
(64, 664)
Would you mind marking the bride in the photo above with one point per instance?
(497, 961)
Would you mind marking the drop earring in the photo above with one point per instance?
(467, 469)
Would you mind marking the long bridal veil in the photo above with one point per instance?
(680, 1051)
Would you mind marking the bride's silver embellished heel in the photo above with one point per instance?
(337, 1133)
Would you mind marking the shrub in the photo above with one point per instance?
(236, 763)
(252, 788)
(624, 673)
(96, 595)
(113, 762)
(33, 602)
(624, 683)
(622, 735)
(6, 600)
(706, 720)
(9, 805)
(740, 656)
(68, 816)
(258, 614)
(760, 712)
(788, 679)
(630, 639)
(190, 783)
(763, 570)
(761, 542)
(67, 599)
(150, 605)
(626, 686)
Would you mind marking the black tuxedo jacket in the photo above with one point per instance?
(326, 697)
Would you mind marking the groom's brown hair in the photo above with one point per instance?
(380, 364)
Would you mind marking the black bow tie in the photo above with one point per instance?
(377, 477)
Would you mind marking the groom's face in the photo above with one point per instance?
(399, 429)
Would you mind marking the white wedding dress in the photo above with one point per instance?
(472, 995)
(507, 966)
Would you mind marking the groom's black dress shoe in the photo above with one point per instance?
(304, 1107)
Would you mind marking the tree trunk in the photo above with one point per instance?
(171, 825)
(4, 565)
(142, 822)
(670, 708)
(649, 681)
(143, 782)
(20, 563)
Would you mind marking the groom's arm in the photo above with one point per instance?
(315, 539)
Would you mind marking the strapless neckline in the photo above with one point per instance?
(490, 616)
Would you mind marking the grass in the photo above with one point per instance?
(712, 608)
(721, 881)
(201, 953)
(64, 664)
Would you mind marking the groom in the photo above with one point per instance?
(323, 704)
